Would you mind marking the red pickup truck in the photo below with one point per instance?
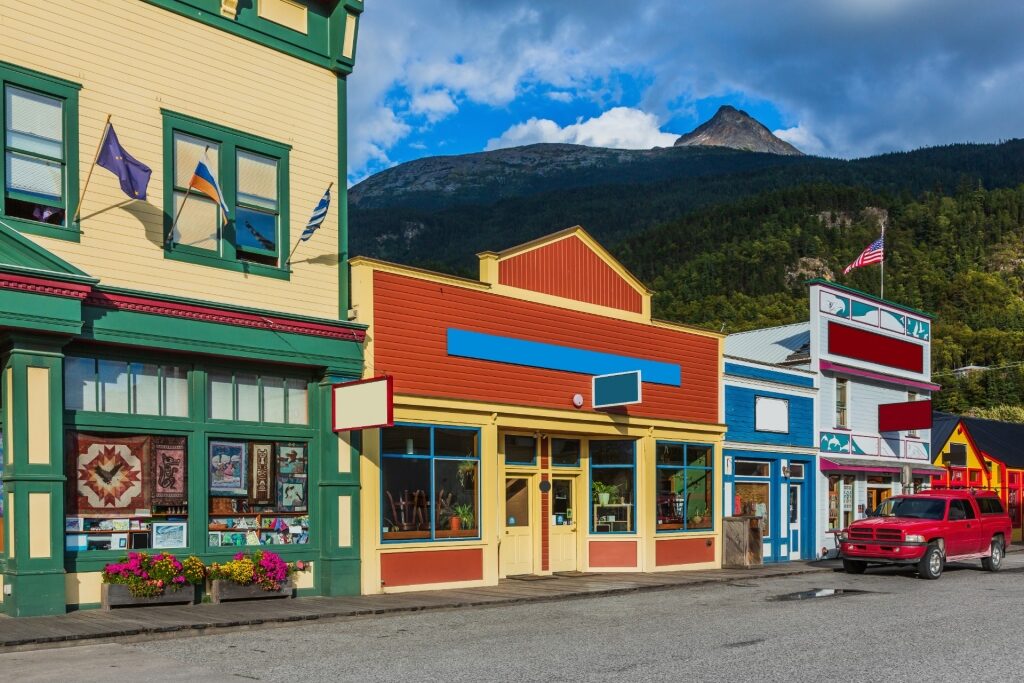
(928, 529)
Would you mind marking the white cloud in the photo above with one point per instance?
(803, 139)
(434, 105)
(619, 127)
(560, 96)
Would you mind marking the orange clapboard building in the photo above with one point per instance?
(544, 422)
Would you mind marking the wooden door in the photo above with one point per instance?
(564, 513)
(517, 542)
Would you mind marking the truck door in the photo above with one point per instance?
(964, 529)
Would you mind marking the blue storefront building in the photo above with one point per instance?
(769, 454)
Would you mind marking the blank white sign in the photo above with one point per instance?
(771, 414)
(363, 405)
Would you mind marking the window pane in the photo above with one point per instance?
(751, 469)
(408, 440)
(145, 389)
(752, 499)
(671, 505)
(297, 413)
(455, 441)
(520, 450)
(517, 502)
(405, 512)
(34, 122)
(176, 391)
(698, 456)
(255, 229)
(198, 223)
(187, 150)
(617, 513)
(113, 386)
(79, 383)
(796, 471)
(698, 499)
(565, 452)
(34, 176)
(248, 389)
(220, 395)
(257, 180)
(273, 399)
(670, 454)
(455, 488)
(611, 452)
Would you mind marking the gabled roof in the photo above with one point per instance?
(1003, 441)
(19, 254)
(770, 344)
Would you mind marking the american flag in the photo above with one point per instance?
(874, 253)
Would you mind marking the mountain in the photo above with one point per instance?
(736, 129)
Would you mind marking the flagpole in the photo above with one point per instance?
(881, 294)
(188, 191)
(95, 158)
(299, 241)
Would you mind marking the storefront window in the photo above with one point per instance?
(685, 481)
(565, 452)
(429, 483)
(520, 450)
(612, 477)
(112, 386)
(248, 397)
(753, 497)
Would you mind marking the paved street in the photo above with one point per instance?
(901, 628)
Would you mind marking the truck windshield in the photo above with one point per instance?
(916, 508)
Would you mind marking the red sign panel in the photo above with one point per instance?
(871, 347)
(898, 417)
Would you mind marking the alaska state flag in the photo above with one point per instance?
(203, 181)
(133, 174)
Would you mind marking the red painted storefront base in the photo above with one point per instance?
(613, 554)
(441, 566)
(683, 551)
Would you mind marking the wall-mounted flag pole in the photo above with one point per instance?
(99, 146)
(315, 221)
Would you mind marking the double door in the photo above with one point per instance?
(523, 533)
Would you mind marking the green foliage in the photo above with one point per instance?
(1003, 413)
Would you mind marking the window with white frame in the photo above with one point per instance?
(842, 396)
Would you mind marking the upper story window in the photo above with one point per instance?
(842, 396)
(253, 177)
(40, 152)
(251, 397)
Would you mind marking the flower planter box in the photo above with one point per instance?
(117, 595)
(222, 590)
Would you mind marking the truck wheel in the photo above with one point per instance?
(994, 561)
(854, 566)
(931, 564)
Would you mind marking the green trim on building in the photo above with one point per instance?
(872, 297)
(229, 142)
(68, 92)
(342, 202)
(317, 46)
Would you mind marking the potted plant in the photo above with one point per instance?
(259, 574)
(142, 579)
(466, 473)
(464, 513)
(699, 515)
(603, 492)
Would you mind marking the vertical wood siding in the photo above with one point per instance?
(411, 319)
(570, 269)
(132, 59)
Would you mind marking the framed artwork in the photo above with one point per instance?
(228, 461)
(170, 534)
(118, 541)
(214, 540)
(98, 543)
(291, 493)
(291, 459)
(110, 473)
(233, 538)
(261, 491)
(121, 525)
(170, 470)
(222, 506)
(76, 542)
(73, 524)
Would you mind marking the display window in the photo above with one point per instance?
(685, 482)
(613, 484)
(153, 460)
(430, 483)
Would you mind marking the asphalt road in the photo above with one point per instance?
(965, 626)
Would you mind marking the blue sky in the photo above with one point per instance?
(844, 78)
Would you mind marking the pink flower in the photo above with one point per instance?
(300, 565)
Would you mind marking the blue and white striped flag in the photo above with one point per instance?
(319, 214)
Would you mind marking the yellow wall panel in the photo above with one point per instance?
(344, 521)
(82, 588)
(246, 86)
(39, 524)
(38, 416)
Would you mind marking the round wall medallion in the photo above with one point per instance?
(577, 400)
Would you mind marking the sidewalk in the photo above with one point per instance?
(76, 628)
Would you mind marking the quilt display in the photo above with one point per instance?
(110, 473)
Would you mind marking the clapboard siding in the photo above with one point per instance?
(132, 59)
(570, 269)
(410, 322)
(740, 418)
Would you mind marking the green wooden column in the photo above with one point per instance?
(337, 520)
(32, 381)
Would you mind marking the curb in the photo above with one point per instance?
(203, 626)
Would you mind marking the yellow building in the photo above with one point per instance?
(160, 351)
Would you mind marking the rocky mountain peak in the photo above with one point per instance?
(735, 128)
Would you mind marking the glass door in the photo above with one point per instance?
(517, 542)
(563, 524)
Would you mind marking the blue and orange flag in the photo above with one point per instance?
(204, 181)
